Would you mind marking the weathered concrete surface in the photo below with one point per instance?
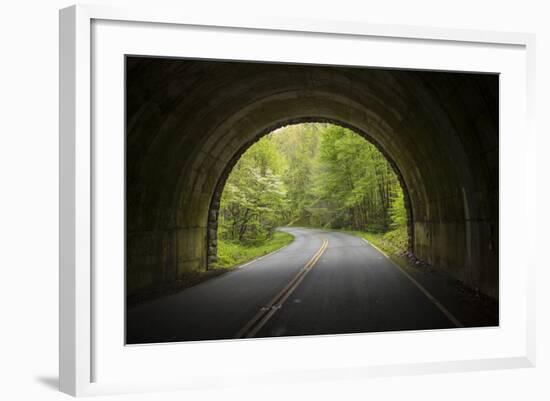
(188, 122)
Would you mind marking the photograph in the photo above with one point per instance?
(271, 199)
(290, 200)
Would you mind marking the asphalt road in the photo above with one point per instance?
(322, 283)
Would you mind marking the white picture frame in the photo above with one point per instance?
(79, 346)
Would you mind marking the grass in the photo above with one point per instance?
(231, 254)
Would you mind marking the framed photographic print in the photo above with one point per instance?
(243, 200)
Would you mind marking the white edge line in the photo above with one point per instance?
(445, 311)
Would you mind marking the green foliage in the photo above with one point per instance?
(317, 175)
(254, 198)
(299, 145)
(357, 182)
(398, 239)
(232, 254)
(398, 213)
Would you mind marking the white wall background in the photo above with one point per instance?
(29, 196)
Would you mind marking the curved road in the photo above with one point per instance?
(322, 283)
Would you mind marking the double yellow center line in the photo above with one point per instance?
(265, 313)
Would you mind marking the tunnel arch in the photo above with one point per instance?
(213, 214)
(188, 119)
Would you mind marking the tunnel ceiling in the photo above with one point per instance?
(188, 121)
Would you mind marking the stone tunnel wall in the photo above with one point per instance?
(187, 122)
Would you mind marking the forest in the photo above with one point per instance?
(309, 175)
